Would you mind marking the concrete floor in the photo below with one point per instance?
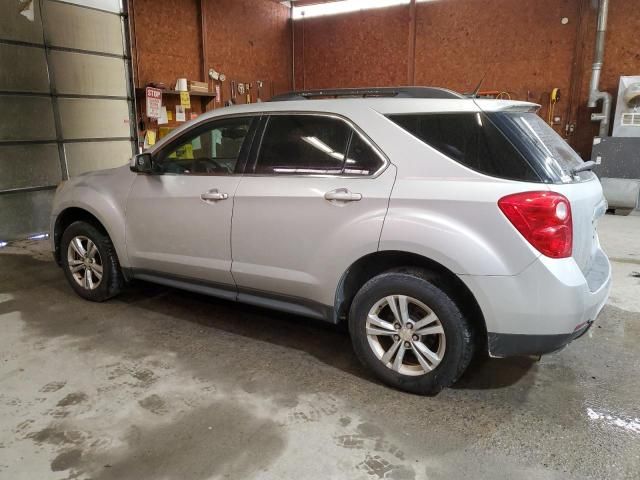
(162, 384)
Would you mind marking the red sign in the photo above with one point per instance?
(154, 102)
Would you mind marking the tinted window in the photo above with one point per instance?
(303, 144)
(361, 158)
(214, 150)
(471, 139)
(540, 143)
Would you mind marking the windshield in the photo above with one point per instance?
(541, 145)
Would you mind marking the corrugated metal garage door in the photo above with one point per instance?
(65, 102)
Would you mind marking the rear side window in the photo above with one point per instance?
(472, 140)
(303, 144)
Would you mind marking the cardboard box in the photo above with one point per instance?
(198, 86)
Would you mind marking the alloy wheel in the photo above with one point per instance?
(84, 262)
(405, 335)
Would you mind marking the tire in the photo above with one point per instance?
(95, 289)
(449, 350)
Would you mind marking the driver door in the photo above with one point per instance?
(178, 221)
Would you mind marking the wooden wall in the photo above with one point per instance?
(522, 47)
(248, 40)
(167, 40)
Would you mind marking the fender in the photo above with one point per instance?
(103, 194)
(473, 242)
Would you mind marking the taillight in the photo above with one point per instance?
(543, 218)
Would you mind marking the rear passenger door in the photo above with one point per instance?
(311, 201)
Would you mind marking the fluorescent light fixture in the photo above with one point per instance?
(344, 6)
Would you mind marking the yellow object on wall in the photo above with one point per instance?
(185, 100)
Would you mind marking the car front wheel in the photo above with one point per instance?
(410, 333)
(90, 262)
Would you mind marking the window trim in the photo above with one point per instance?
(259, 137)
(243, 154)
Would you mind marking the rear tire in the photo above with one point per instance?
(436, 341)
(90, 262)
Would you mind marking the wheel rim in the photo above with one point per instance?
(405, 335)
(85, 263)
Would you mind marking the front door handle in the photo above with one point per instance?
(342, 195)
(214, 195)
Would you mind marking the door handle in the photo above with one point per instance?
(214, 195)
(342, 195)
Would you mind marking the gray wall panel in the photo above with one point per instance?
(92, 118)
(25, 213)
(85, 74)
(14, 26)
(23, 69)
(73, 27)
(29, 166)
(84, 157)
(26, 118)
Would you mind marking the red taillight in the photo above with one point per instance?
(543, 218)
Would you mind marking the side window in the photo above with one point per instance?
(470, 139)
(303, 144)
(212, 150)
(361, 158)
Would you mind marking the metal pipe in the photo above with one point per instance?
(293, 47)
(594, 92)
(411, 61)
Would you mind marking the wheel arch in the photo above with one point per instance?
(378, 262)
(68, 216)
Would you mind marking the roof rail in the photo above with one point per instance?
(396, 92)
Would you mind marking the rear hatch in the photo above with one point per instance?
(554, 161)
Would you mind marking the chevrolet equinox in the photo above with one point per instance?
(437, 225)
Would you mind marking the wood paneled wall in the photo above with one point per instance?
(521, 47)
(247, 40)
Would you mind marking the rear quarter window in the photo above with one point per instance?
(471, 139)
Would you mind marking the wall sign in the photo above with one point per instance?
(154, 102)
(185, 100)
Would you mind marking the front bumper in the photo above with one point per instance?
(549, 304)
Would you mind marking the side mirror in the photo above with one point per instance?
(142, 163)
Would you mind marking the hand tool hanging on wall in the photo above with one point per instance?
(554, 97)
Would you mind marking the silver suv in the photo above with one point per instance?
(436, 225)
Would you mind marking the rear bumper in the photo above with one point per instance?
(542, 309)
(511, 344)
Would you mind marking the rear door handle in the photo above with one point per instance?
(213, 195)
(342, 195)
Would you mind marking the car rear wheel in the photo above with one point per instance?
(410, 333)
(90, 262)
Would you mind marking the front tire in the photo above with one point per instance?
(90, 262)
(410, 333)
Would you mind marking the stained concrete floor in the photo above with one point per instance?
(162, 384)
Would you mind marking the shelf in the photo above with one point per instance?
(141, 91)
